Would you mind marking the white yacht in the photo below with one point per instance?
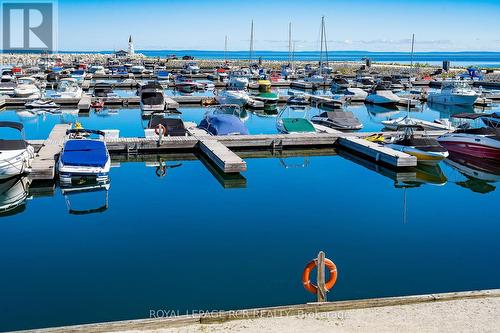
(68, 88)
(15, 155)
(138, 69)
(191, 68)
(454, 93)
(238, 80)
(27, 88)
(237, 97)
(380, 95)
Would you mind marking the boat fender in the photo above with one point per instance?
(163, 130)
(306, 281)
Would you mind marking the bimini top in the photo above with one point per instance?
(223, 124)
(12, 124)
(84, 153)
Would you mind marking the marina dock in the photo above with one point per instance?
(44, 164)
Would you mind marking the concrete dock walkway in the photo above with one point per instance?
(469, 311)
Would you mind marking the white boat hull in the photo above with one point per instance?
(464, 100)
(16, 162)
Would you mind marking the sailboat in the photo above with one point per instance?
(323, 67)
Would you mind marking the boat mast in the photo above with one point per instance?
(321, 46)
(225, 48)
(412, 45)
(293, 56)
(251, 45)
(289, 43)
(326, 41)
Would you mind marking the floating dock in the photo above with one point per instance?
(44, 164)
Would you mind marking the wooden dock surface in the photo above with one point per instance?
(224, 158)
(44, 164)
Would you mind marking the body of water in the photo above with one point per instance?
(195, 240)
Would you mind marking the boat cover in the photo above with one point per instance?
(84, 153)
(223, 124)
(294, 125)
(342, 118)
(174, 126)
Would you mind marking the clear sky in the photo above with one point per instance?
(459, 25)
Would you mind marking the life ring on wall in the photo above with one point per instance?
(306, 281)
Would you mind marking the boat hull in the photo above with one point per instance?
(18, 162)
(463, 100)
(472, 149)
(423, 157)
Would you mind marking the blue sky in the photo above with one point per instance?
(351, 25)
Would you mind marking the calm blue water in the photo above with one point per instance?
(188, 242)
(482, 59)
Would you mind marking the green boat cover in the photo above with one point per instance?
(294, 125)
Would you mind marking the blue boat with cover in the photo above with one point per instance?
(84, 158)
(218, 123)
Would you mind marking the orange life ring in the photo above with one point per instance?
(163, 129)
(306, 281)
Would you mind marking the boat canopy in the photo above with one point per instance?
(294, 125)
(223, 124)
(473, 116)
(84, 153)
(12, 124)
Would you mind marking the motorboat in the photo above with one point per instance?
(219, 75)
(27, 88)
(41, 104)
(97, 70)
(13, 194)
(233, 97)
(103, 89)
(186, 85)
(339, 84)
(339, 120)
(264, 86)
(238, 80)
(152, 97)
(83, 158)
(7, 85)
(191, 68)
(436, 125)
(426, 150)
(163, 75)
(137, 69)
(381, 95)
(68, 88)
(315, 78)
(293, 125)
(159, 124)
(216, 122)
(78, 74)
(16, 155)
(298, 99)
(355, 94)
(492, 120)
(454, 93)
(365, 81)
(268, 98)
(481, 142)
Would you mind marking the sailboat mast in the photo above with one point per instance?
(326, 41)
(251, 44)
(321, 46)
(289, 42)
(225, 48)
(412, 45)
(293, 56)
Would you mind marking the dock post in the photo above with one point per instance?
(321, 294)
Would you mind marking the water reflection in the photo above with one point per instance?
(87, 197)
(480, 174)
(13, 194)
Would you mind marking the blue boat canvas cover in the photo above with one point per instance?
(223, 124)
(84, 153)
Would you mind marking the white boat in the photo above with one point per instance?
(191, 68)
(15, 155)
(137, 69)
(436, 125)
(315, 79)
(7, 85)
(83, 158)
(97, 69)
(237, 97)
(238, 80)
(426, 150)
(339, 120)
(41, 104)
(27, 88)
(152, 97)
(356, 94)
(454, 93)
(68, 88)
(380, 95)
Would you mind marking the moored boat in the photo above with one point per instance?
(16, 155)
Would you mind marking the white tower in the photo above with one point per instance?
(130, 46)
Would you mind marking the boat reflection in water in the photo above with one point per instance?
(13, 194)
(446, 111)
(480, 173)
(86, 197)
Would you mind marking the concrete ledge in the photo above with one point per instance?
(279, 311)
